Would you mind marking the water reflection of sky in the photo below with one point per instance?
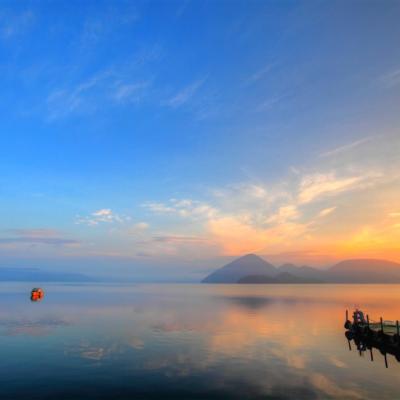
(190, 341)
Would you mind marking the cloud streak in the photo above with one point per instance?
(391, 79)
(346, 147)
(315, 186)
(178, 239)
(12, 25)
(38, 236)
(104, 215)
(185, 208)
(39, 240)
(112, 85)
(130, 92)
(261, 73)
(35, 233)
(184, 95)
(326, 211)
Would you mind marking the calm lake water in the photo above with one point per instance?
(191, 342)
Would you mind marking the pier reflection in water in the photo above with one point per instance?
(190, 341)
(365, 342)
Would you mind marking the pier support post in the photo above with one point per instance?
(381, 324)
(397, 327)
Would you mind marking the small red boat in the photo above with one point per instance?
(37, 294)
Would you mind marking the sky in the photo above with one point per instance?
(160, 139)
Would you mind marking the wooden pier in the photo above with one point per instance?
(367, 334)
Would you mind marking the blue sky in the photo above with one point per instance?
(159, 139)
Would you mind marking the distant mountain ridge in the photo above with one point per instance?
(304, 271)
(282, 277)
(38, 275)
(365, 271)
(254, 269)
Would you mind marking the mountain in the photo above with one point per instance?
(256, 279)
(283, 277)
(364, 271)
(287, 277)
(253, 269)
(237, 269)
(303, 272)
(37, 275)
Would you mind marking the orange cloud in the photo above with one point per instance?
(235, 236)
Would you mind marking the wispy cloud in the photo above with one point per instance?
(15, 24)
(138, 229)
(183, 5)
(185, 94)
(98, 27)
(141, 226)
(159, 208)
(346, 147)
(326, 211)
(37, 236)
(249, 196)
(171, 244)
(284, 214)
(104, 88)
(39, 240)
(269, 103)
(104, 215)
(391, 78)
(38, 232)
(178, 239)
(259, 74)
(130, 92)
(315, 186)
(63, 102)
(185, 208)
(118, 84)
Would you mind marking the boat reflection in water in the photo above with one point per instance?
(37, 294)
